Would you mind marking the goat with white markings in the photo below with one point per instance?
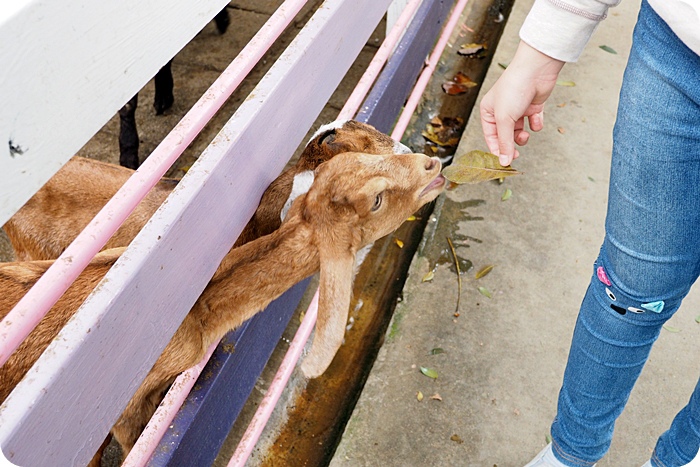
(56, 214)
(354, 200)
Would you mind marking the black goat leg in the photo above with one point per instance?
(222, 21)
(128, 136)
(164, 89)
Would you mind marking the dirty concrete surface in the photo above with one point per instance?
(498, 379)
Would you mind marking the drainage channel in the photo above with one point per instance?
(316, 417)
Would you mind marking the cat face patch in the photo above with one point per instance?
(655, 307)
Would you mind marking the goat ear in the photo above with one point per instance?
(335, 290)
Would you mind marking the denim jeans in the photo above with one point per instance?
(650, 256)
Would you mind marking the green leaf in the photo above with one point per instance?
(429, 372)
(568, 84)
(548, 438)
(483, 271)
(506, 194)
(477, 166)
(485, 292)
(697, 319)
(609, 50)
(428, 277)
(436, 351)
(591, 178)
(671, 328)
(503, 65)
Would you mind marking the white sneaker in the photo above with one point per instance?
(546, 459)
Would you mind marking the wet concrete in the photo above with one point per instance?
(504, 356)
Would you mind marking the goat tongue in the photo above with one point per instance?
(437, 181)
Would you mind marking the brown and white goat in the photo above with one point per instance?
(56, 214)
(354, 200)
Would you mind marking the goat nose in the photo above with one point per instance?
(430, 164)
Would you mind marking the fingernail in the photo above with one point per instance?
(503, 159)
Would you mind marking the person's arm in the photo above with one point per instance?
(555, 32)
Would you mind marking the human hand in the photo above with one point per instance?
(520, 92)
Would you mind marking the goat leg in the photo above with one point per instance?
(222, 21)
(164, 89)
(128, 135)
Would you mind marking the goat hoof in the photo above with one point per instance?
(222, 21)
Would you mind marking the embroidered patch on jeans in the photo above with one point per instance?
(603, 276)
(656, 307)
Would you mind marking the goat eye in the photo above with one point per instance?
(377, 202)
(327, 137)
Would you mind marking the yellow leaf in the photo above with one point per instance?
(419, 396)
(477, 166)
(428, 277)
(411, 218)
(483, 271)
(398, 242)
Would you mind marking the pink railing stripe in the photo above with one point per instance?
(24, 317)
(262, 415)
(427, 72)
(355, 100)
(165, 413)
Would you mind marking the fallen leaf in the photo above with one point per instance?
(506, 194)
(456, 439)
(459, 275)
(428, 277)
(454, 89)
(548, 438)
(503, 65)
(436, 397)
(459, 85)
(398, 242)
(485, 292)
(591, 178)
(419, 396)
(436, 351)
(483, 271)
(608, 49)
(563, 104)
(568, 84)
(697, 319)
(429, 372)
(471, 49)
(561, 130)
(447, 133)
(516, 412)
(671, 328)
(411, 218)
(476, 166)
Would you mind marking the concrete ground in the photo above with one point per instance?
(498, 378)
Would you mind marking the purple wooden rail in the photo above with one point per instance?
(127, 322)
(388, 96)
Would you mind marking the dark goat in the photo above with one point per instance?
(128, 135)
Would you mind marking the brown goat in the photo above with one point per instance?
(354, 200)
(56, 214)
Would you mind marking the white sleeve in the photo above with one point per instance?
(562, 28)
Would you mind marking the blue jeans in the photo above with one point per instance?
(650, 256)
